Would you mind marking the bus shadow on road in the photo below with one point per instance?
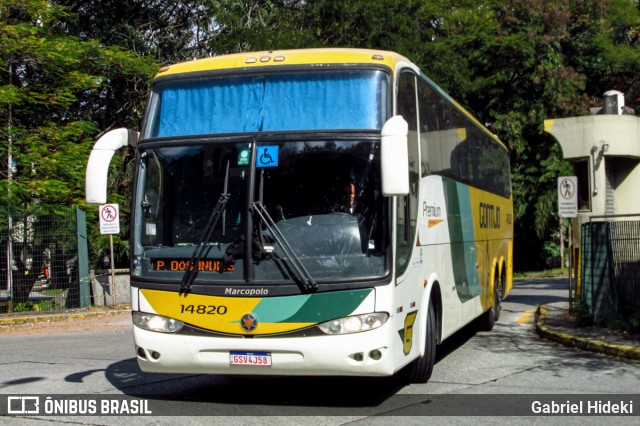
(340, 394)
(274, 391)
(182, 394)
(456, 340)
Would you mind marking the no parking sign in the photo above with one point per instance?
(109, 219)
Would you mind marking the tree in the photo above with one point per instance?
(53, 85)
(255, 25)
(604, 47)
(512, 63)
(167, 30)
(56, 94)
(502, 60)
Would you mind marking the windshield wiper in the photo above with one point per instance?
(304, 275)
(199, 251)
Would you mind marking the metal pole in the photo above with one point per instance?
(570, 263)
(9, 178)
(113, 274)
(9, 268)
(561, 220)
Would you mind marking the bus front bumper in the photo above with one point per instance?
(359, 354)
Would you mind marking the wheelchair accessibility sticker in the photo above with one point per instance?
(267, 156)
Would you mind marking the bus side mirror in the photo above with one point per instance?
(99, 160)
(394, 157)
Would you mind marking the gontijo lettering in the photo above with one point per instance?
(489, 216)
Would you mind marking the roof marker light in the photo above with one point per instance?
(378, 57)
(265, 58)
(163, 69)
(279, 58)
(250, 61)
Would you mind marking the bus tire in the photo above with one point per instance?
(421, 368)
(489, 318)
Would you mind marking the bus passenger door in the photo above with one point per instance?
(408, 262)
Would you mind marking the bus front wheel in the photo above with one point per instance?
(420, 369)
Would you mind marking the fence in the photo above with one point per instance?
(44, 261)
(611, 270)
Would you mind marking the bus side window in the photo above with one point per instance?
(152, 206)
(408, 205)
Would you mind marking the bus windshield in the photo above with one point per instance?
(301, 100)
(323, 196)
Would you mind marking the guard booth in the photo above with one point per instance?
(604, 148)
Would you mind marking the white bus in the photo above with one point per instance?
(309, 212)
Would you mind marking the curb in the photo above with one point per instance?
(58, 317)
(611, 349)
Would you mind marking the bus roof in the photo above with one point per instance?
(285, 57)
(317, 56)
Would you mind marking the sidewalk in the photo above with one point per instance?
(20, 318)
(553, 322)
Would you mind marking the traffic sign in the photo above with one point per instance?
(109, 219)
(568, 196)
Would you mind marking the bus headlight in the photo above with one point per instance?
(157, 323)
(354, 324)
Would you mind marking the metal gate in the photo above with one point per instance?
(611, 270)
(44, 262)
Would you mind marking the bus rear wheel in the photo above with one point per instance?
(420, 370)
(489, 318)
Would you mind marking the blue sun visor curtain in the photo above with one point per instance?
(334, 100)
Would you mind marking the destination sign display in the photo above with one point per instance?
(205, 265)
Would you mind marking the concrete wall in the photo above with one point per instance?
(102, 290)
(602, 139)
(628, 181)
(578, 135)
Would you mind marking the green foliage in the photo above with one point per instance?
(43, 305)
(581, 313)
(167, 30)
(23, 307)
(52, 86)
(634, 323)
(57, 91)
(552, 253)
(555, 272)
(607, 52)
(70, 69)
(254, 25)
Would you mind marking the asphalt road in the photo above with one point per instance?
(503, 368)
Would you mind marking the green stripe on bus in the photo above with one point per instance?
(463, 254)
(317, 308)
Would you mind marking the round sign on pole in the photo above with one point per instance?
(568, 196)
(109, 219)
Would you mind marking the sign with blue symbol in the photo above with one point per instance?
(267, 156)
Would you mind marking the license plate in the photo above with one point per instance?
(258, 359)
